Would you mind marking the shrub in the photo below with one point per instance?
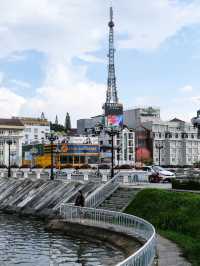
(125, 166)
(186, 185)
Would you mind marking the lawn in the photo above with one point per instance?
(175, 215)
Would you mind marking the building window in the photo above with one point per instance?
(159, 135)
(168, 135)
(35, 136)
(130, 143)
(130, 158)
(192, 136)
(130, 135)
(35, 130)
(130, 150)
(176, 135)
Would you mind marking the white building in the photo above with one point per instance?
(12, 130)
(178, 141)
(124, 147)
(35, 129)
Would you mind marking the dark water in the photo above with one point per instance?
(25, 242)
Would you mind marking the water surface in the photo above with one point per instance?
(25, 242)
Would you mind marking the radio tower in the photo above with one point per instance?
(112, 105)
(111, 96)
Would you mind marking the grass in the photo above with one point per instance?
(175, 215)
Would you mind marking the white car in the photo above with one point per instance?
(164, 175)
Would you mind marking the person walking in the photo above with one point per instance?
(80, 199)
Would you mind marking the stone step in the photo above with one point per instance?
(119, 199)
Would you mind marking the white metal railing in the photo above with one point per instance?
(119, 222)
(103, 192)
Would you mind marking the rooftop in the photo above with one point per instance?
(10, 122)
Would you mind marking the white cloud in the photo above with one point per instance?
(186, 88)
(10, 103)
(20, 83)
(63, 91)
(1, 77)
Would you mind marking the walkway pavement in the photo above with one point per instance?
(169, 254)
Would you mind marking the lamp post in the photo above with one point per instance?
(112, 132)
(159, 147)
(9, 142)
(57, 151)
(52, 138)
(33, 153)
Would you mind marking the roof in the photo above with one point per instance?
(10, 122)
(33, 121)
(177, 120)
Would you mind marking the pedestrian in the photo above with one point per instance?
(80, 200)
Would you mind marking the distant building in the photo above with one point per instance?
(85, 125)
(35, 129)
(137, 116)
(178, 141)
(11, 129)
(124, 147)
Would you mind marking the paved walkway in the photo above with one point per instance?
(169, 254)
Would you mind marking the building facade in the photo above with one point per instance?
(12, 130)
(135, 117)
(67, 151)
(35, 129)
(124, 147)
(174, 143)
(85, 125)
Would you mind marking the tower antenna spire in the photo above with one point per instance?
(111, 96)
(112, 108)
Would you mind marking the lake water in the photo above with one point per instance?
(25, 242)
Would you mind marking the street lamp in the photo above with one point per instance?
(9, 142)
(57, 152)
(33, 152)
(159, 147)
(52, 138)
(112, 132)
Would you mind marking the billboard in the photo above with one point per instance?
(115, 120)
(80, 149)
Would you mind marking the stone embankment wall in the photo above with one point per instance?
(127, 244)
(39, 197)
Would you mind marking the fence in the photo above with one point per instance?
(119, 222)
(103, 192)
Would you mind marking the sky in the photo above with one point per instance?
(53, 56)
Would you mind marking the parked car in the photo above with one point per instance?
(159, 174)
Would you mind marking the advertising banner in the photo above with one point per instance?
(79, 149)
(115, 120)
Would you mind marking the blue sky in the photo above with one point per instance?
(53, 56)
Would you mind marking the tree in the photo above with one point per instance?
(67, 123)
(57, 127)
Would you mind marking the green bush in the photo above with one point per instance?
(175, 214)
(187, 185)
